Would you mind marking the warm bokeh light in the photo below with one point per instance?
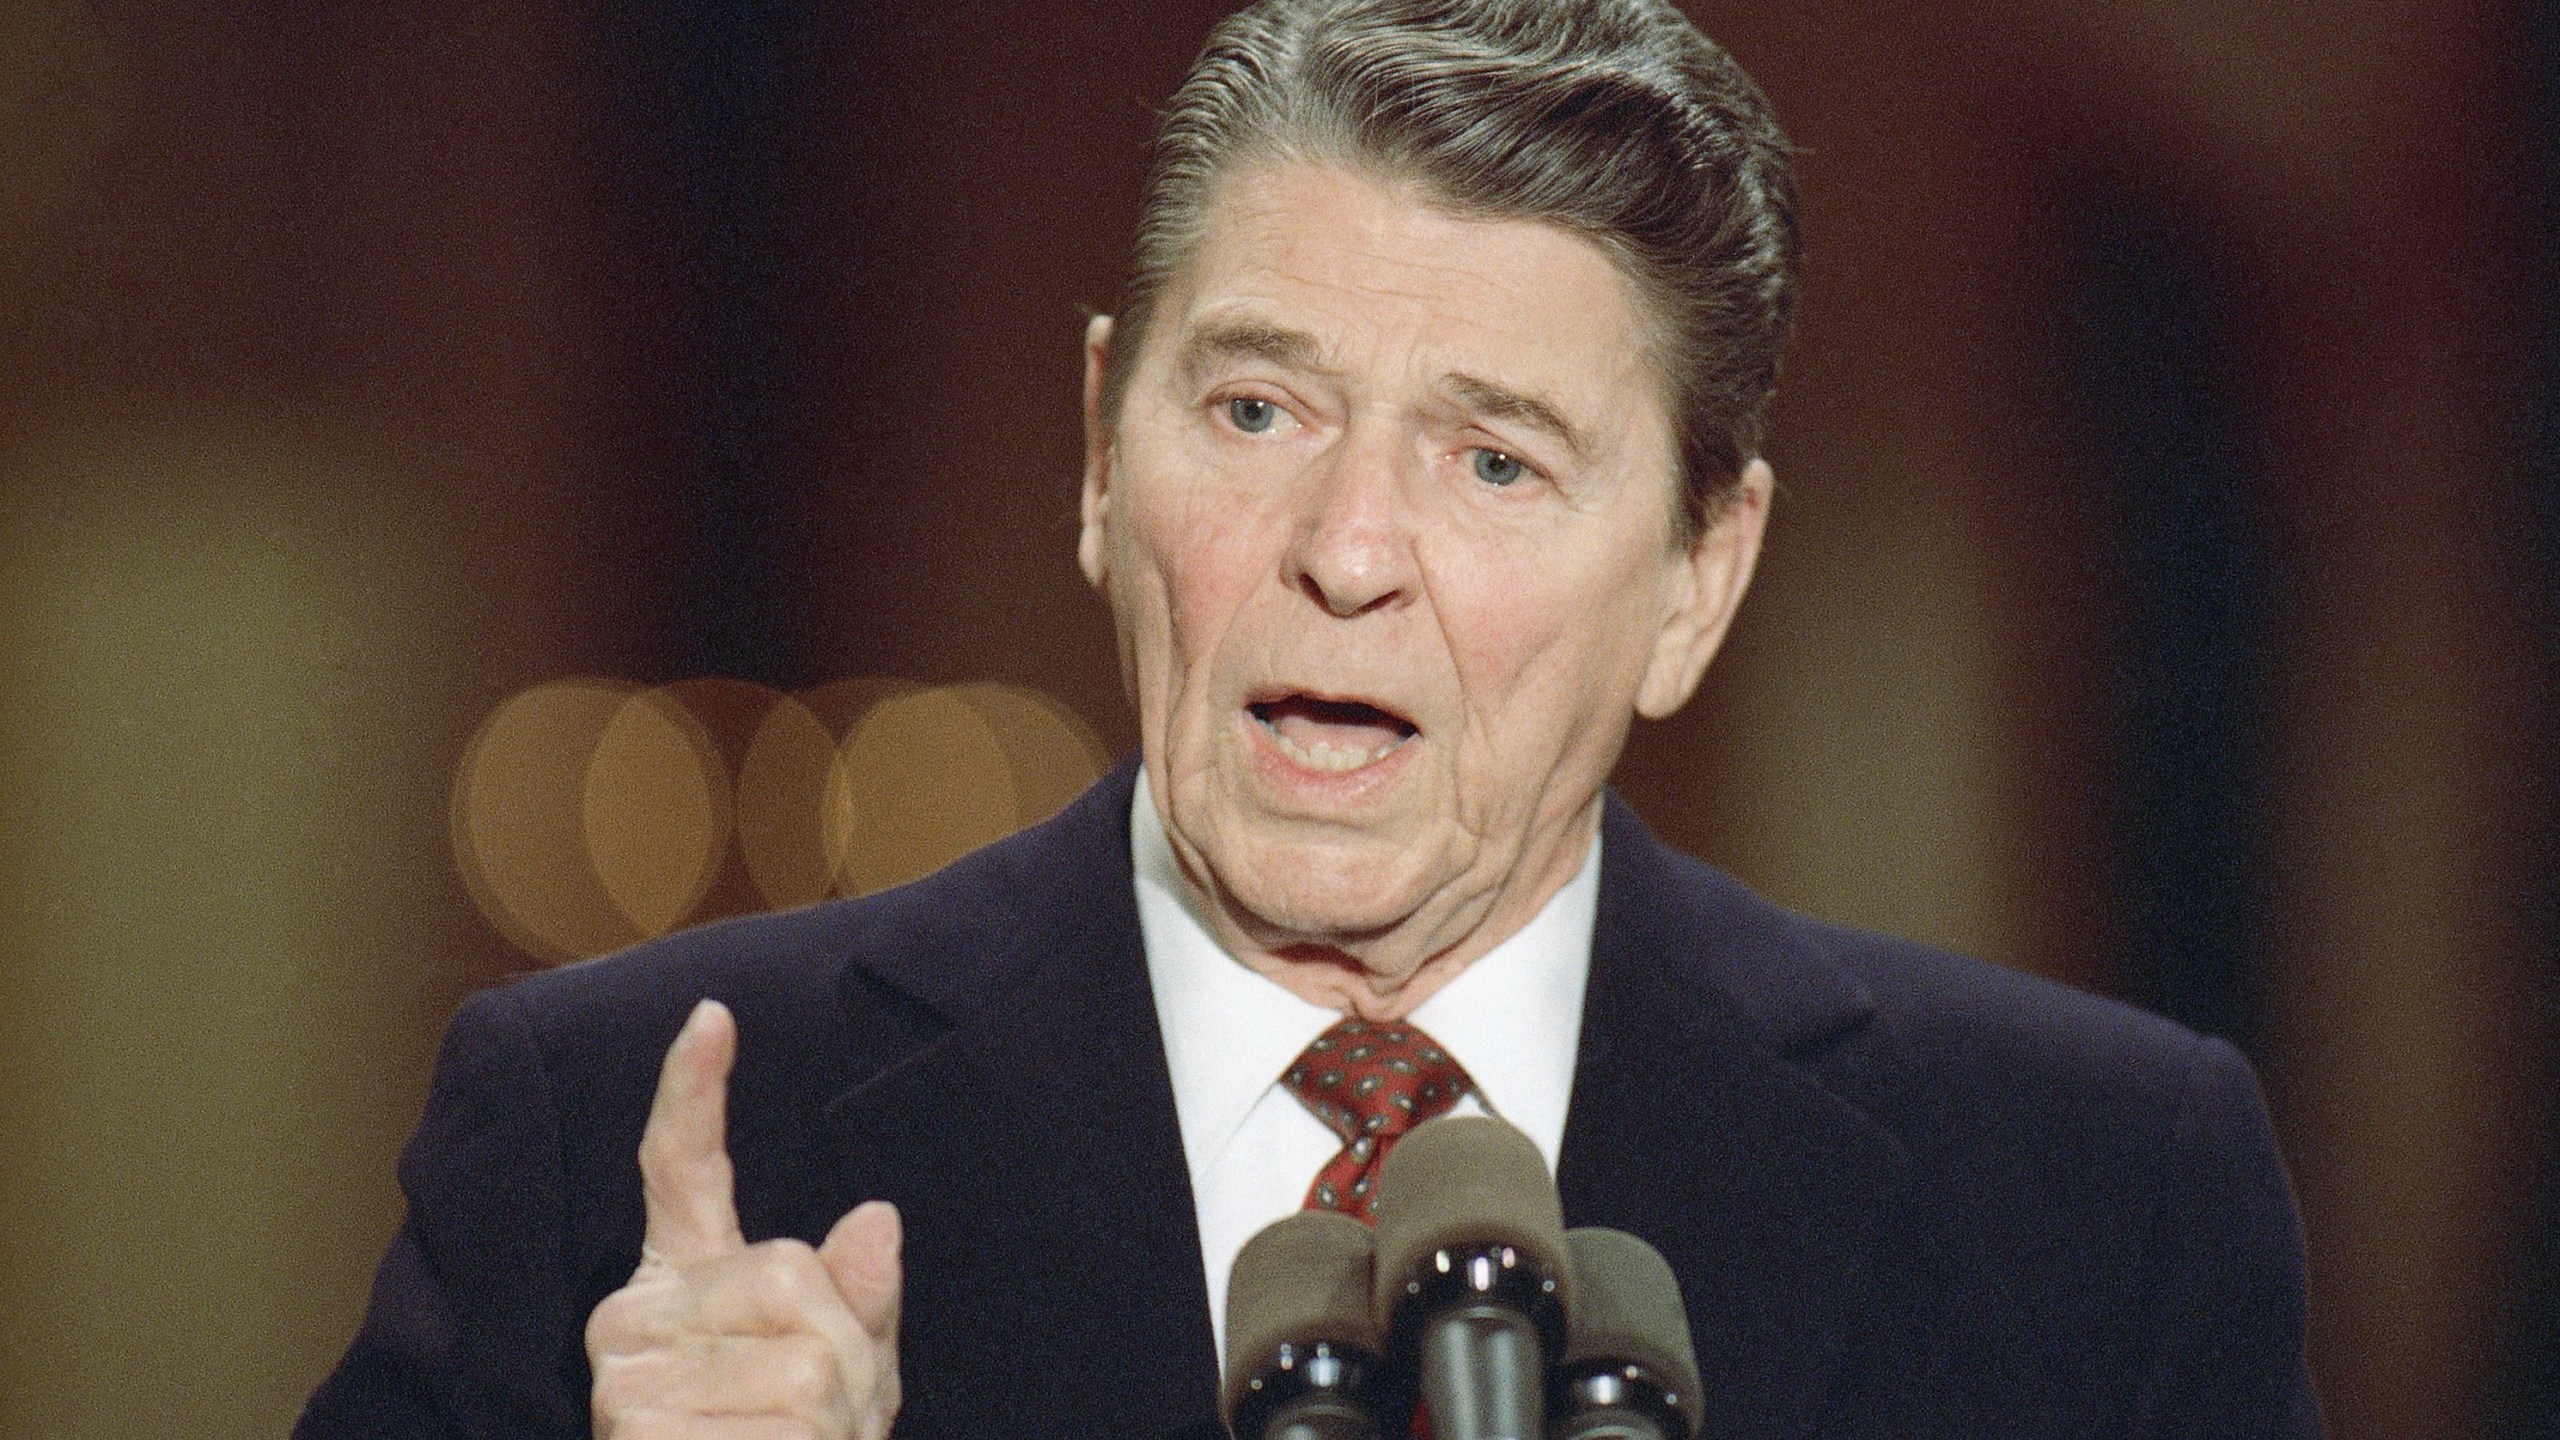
(519, 820)
(922, 781)
(589, 814)
(1049, 750)
(782, 782)
(657, 810)
(841, 704)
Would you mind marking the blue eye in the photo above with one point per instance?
(1252, 416)
(1495, 468)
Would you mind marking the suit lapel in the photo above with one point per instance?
(1706, 1118)
(1033, 1145)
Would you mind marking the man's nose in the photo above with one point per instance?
(1354, 546)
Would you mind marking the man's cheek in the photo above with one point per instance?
(1205, 580)
(1177, 627)
(1500, 636)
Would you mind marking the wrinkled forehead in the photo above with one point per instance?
(1268, 198)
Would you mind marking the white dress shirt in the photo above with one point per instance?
(1511, 1019)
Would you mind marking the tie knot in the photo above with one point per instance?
(1369, 1083)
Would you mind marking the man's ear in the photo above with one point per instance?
(1703, 589)
(1097, 453)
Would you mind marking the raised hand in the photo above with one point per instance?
(714, 1337)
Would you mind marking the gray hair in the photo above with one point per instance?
(1614, 119)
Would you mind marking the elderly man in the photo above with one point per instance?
(1422, 459)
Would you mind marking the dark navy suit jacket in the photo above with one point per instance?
(1905, 1194)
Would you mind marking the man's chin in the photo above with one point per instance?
(1344, 895)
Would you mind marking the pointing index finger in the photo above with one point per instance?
(685, 1178)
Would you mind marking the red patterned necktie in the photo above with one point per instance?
(1370, 1083)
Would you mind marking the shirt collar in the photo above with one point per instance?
(1512, 1018)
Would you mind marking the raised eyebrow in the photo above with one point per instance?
(1220, 340)
(1501, 402)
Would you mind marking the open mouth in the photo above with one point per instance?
(1334, 736)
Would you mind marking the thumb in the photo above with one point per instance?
(685, 1179)
(862, 1254)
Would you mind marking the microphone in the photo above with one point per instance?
(1630, 1371)
(1473, 1278)
(1302, 1343)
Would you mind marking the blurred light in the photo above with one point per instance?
(731, 711)
(589, 813)
(841, 704)
(657, 810)
(782, 783)
(1049, 750)
(735, 714)
(922, 781)
(519, 820)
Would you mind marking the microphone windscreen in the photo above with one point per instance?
(1465, 1180)
(1628, 1311)
(1302, 1280)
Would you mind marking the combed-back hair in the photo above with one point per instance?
(1615, 119)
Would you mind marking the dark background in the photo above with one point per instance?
(2161, 592)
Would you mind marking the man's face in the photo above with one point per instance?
(1388, 526)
